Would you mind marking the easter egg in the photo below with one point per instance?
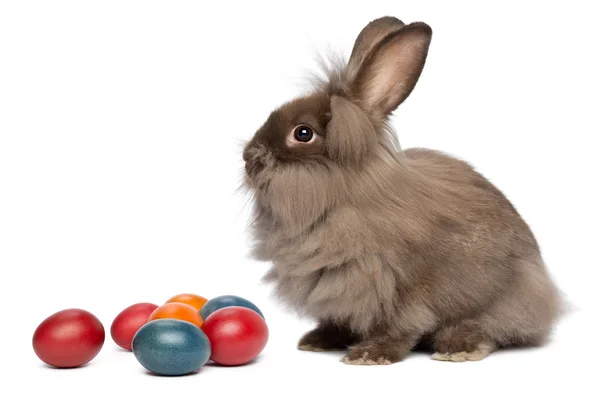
(128, 321)
(171, 347)
(237, 335)
(227, 301)
(68, 338)
(179, 311)
(191, 299)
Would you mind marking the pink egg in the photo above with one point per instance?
(128, 322)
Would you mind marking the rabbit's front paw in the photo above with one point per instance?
(379, 351)
(326, 337)
(361, 357)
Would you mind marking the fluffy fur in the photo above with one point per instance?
(386, 248)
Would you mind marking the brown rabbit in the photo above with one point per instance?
(389, 249)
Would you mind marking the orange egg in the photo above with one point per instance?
(179, 311)
(190, 299)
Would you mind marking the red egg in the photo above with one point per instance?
(128, 322)
(237, 335)
(68, 338)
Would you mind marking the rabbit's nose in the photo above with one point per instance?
(246, 155)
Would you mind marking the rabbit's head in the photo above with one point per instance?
(310, 151)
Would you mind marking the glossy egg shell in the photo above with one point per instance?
(227, 301)
(68, 338)
(190, 299)
(179, 311)
(128, 322)
(171, 347)
(237, 335)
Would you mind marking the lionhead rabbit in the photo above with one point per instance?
(384, 248)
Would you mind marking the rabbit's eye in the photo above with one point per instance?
(303, 134)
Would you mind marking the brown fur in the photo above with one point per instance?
(388, 248)
(328, 336)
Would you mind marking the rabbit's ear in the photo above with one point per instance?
(391, 70)
(369, 37)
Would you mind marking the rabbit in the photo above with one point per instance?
(388, 250)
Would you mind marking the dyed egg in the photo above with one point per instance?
(183, 312)
(190, 299)
(227, 301)
(68, 338)
(171, 347)
(237, 335)
(128, 321)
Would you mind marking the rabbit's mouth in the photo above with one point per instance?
(258, 162)
(254, 166)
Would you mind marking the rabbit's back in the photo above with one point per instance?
(488, 254)
(462, 190)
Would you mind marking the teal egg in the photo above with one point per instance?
(227, 301)
(171, 347)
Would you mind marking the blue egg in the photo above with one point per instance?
(171, 347)
(227, 301)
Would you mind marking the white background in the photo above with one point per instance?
(121, 128)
